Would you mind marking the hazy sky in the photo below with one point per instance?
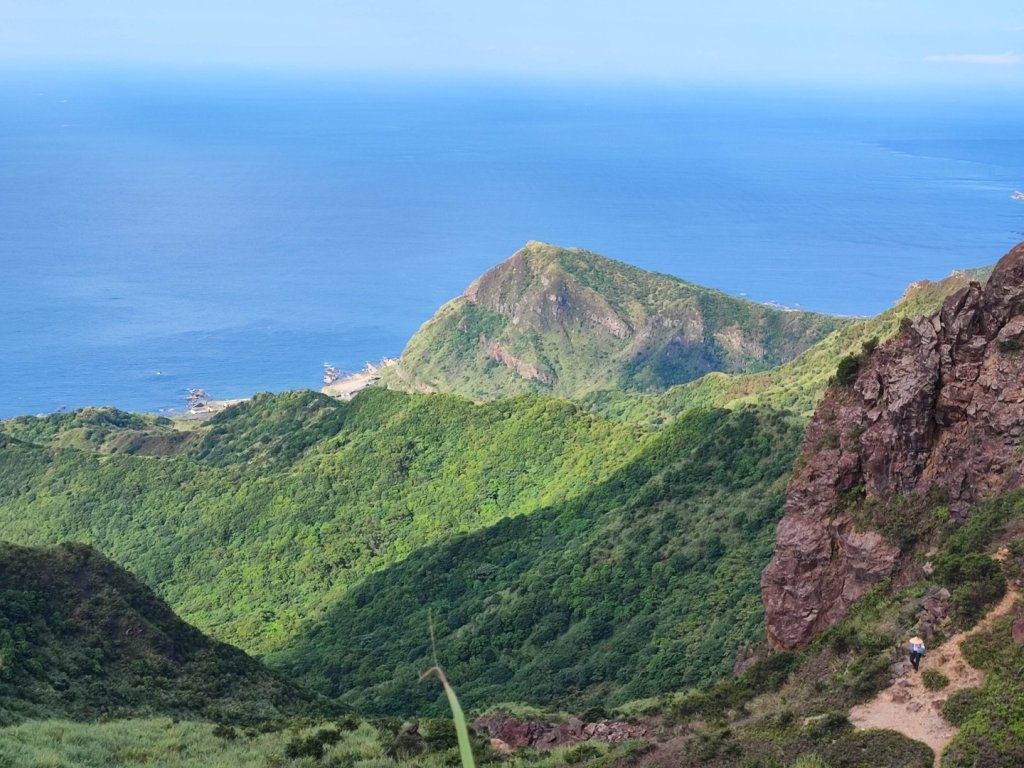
(858, 40)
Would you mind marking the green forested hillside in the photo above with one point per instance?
(589, 535)
(648, 583)
(256, 523)
(80, 638)
(568, 322)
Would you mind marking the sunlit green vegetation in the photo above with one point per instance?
(257, 523)
(648, 583)
(598, 563)
(345, 743)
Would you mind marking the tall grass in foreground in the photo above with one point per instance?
(158, 743)
(163, 743)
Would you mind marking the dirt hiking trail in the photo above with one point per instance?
(910, 708)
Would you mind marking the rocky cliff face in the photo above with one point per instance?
(939, 409)
(507, 731)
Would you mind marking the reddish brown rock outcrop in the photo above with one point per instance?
(517, 732)
(939, 407)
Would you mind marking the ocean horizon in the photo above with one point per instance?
(159, 234)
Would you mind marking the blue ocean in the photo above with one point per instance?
(235, 234)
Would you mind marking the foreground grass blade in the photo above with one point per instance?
(465, 750)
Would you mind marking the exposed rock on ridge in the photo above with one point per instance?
(939, 408)
(538, 294)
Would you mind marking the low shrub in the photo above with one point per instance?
(961, 705)
(387, 727)
(311, 746)
(858, 749)
(226, 732)
(439, 734)
(984, 753)
(1013, 565)
(348, 723)
(976, 580)
(993, 649)
(934, 680)
(581, 753)
(630, 751)
(828, 726)
(686, 707)
(771, 672)
(847, 370)
(784, 719)
(866, 676)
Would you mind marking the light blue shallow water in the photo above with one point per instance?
(158, 234)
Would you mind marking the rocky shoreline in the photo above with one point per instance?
(201, 407)
(342, 387)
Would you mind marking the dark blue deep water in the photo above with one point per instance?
(158, 234)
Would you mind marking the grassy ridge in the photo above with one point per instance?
(796, 385)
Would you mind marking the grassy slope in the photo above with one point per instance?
(796, 385)
(154, 743)
(648, 583)
(348, 741)
(259, 521)
(554, 309)
(81, 638)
